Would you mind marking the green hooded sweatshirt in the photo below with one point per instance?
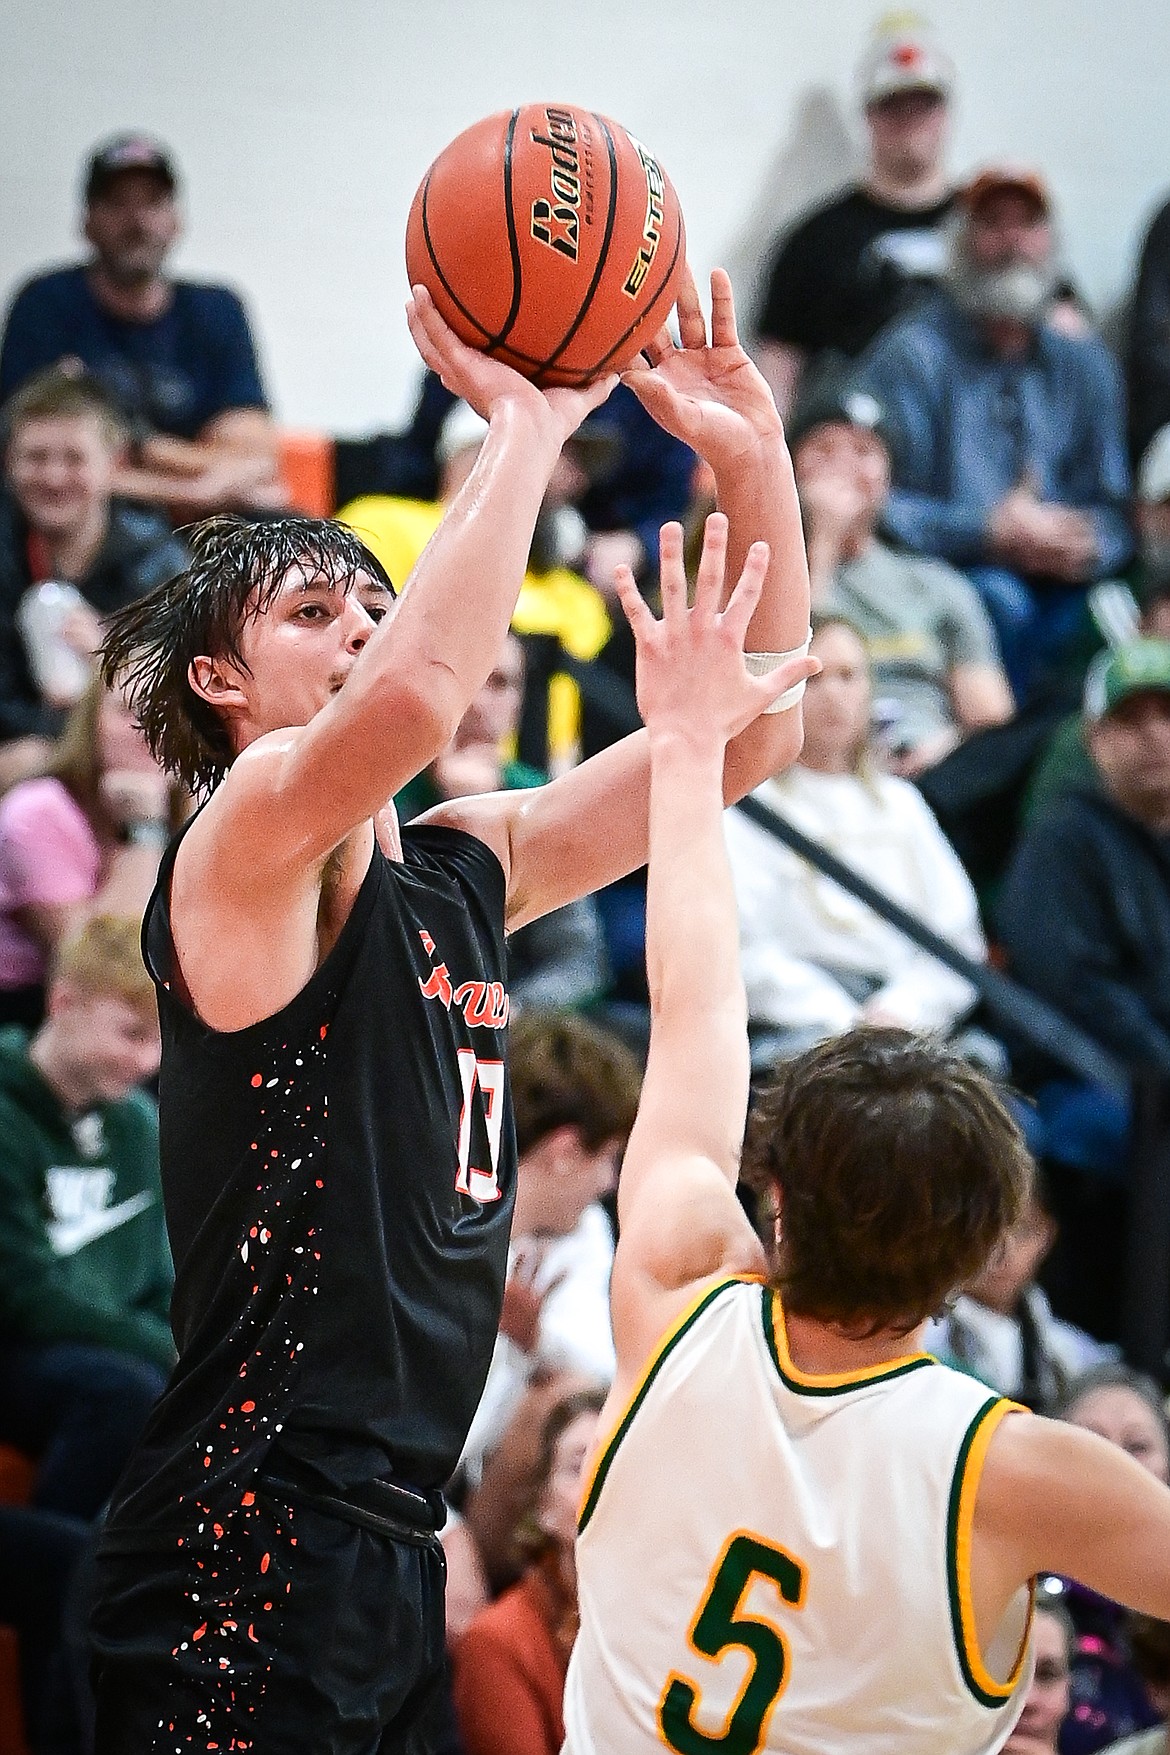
(83, 1244)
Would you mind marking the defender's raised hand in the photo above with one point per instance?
(483, 381)
(691, 674)
(706, 392)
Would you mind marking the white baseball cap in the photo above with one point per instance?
(904, 55)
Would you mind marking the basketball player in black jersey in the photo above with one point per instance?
(337, 1146)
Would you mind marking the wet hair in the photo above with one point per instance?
(565, 1072)
(897, 1170)
(235, 570)
(1112, 1374)
(531, 1540)
(62, 393)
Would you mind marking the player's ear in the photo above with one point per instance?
(216, 683)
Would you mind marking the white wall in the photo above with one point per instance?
(302, 129)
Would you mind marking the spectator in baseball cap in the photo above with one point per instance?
(933, 653)
(176, 358)
(857, 261)
(1012, 461)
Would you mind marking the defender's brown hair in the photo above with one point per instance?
(566, 1072)
(897, 1169)
(235, 571)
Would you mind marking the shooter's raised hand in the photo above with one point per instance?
(484, 382)
(691, 675)
(706, 392)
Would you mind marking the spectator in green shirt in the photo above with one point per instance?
(85, 1272)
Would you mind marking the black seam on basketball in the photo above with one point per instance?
(443, 281)
(622, 339)
(603, 254)
(513, 241)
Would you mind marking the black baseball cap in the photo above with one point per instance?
(128, 152)
(834, 401)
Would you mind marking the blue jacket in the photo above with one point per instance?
(968, 427)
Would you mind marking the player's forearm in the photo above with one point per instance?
(692, 932)
(759, 498)
(458, 602)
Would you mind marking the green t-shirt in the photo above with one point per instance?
(920, 620)
(83, 1244)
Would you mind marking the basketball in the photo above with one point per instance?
(550, 238)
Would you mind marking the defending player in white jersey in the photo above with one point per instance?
(803, 1534)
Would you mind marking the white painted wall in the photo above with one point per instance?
(303, 127)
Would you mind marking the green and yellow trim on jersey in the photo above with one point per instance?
(829, 1382)
(960, 1522)
(666, 1345)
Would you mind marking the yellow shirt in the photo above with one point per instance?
(557, 603)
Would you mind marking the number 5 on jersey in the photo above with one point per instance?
(481, 1185)
(720, 1624)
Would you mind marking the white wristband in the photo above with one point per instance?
(763, 663)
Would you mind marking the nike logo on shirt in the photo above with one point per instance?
(69, 1235)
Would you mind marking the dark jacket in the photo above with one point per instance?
(1085, 917)
(83, 1246)
(139, 552)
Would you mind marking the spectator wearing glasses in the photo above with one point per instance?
(859, 259)
(1011, 458)
(176, 357)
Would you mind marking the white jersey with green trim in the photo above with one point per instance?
(773, 1561)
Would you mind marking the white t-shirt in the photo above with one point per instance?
(798, 927)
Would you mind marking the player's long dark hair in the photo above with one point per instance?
(235, 570)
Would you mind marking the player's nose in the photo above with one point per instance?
(360, 624)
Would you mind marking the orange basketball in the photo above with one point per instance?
(551, 238)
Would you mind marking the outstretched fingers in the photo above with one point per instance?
(743, 600)
(692, 325)
(672, 574)
(724, 332)
(633, 603)
(712, 569)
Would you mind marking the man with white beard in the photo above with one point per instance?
(1010, 458)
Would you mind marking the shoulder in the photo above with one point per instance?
(208, 300)
(1072, 816)
(932, 576)
(461, 841)
(813, 223)
(58, 287)
(927, 334)
(1083, 359)
(902, 799)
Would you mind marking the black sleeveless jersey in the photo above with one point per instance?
(338, 1181)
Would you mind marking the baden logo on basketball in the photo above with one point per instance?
(652, 230)
(557, 222)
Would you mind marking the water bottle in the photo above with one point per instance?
(60, 673)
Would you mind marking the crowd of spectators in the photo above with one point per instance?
(986, 496)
